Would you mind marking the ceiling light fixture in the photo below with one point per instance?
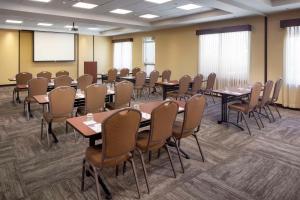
(85, 5)
(43, 1)
(94, 29)
(189, 7)
(158, 1)
(149, 16)
(120, 11)
(70, 26)
(44, 24)
(13, 21)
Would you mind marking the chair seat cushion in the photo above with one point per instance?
(242, 107)
(142, 142)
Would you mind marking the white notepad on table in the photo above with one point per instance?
(146, 115)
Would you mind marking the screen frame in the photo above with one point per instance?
(44, 61)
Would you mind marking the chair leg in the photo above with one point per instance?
(238, 118)
(276, 108)
(171, 161)
(97, 182)
(135, 176)
(212, 98)
(259, 117)
(117, 170)
(271, 113)
(144, 169)
(202, 156)
(47, 131)
(256, 120)
(158, 153)
(83, 175)
(150, 156)
(178, 152)
(243, 115)
(267, 114)
(42, 128)
(124, 167)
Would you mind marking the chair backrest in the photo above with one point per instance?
(154, 75)
(119, 132)
(211, 79)
(62, 73)
(135, 70)
(266, 97)
(254, 96)
(112, 75)
(62, 81)
(276, 91)
(197, 83)
(193, 113)
(123, 93)
(23, 78)
(45, 74)
(37, 86)
(124, 72)
(166, 75)
(184, 84)
(140, 79)
(84, 81)
(162, 120)
(61, 101)
(95, 98)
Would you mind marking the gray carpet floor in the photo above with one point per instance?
(238, 166)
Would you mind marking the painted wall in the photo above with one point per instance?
(103, 53)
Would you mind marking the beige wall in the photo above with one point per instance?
(103, 53)
(85, 51)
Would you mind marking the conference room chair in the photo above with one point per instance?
(95, 95)
(184, 84)
(36, 86)
(111, 76)
(62, 81)
(166, 75)
(275, 95)
(193, 113)
(45, 74)
(61, 105)
(140, 80)
(244, 108)
(119, 132)
(154, 75)
(265, 100)
(196, 86)
(21, 84)
(135, 70)
(62, 73)
(124, 72)
(84, 81)
(162, 120)
(211, 79)
(123, 94)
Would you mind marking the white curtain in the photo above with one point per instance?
(291, 72)
(226, 54)
(149, 54)
(123, 55)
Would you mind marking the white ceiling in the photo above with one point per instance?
(61, 13)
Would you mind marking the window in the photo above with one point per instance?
(291, 56)
(226, 54)
(149, 54)
(123, 55)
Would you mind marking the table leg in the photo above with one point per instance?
(223, 110)
(164, 92)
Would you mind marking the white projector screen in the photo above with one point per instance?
(49, 46)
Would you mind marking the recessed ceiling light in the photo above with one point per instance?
(43, 1)
(13, 21)
(121, 11)
(158, 1)
(84, 5)
(70, 26)
(44, 24)
(149, 16)
(189, 7)
(94, 29)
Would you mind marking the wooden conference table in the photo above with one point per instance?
(78, 124)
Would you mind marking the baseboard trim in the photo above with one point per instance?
(7, 85)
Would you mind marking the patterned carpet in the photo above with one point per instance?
(238, 166)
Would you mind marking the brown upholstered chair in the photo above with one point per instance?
(162, 120)
(21, 84)
(193, 113)
(197, 85)
(123, 93)
(45, 74)
(246, 108)
(84, 81)
(154, 75)
(111, 76)
(184, 84)
(166, 75)
(135, 70)
(275, 96)
(140, 79)
(36, 86)
(94, 99)
(265, 100)
(124, 72)
(62, 81)
(119, 133)
(61, 104)
(62, 73)
(211, 79)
